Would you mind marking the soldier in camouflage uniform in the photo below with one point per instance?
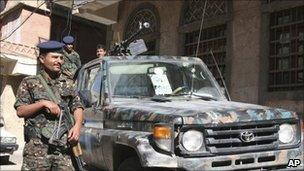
(41, 114)
(101, 51)
(71, 57)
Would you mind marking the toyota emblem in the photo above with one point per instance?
(247, 136)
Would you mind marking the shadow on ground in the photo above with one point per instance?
(5, 161)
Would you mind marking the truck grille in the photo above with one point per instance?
(228, 139)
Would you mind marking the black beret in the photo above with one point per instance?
(50, 46)
(68, 39)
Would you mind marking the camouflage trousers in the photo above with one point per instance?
(38, 156)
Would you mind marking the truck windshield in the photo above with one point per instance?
(148, 79)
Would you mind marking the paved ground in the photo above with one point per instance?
(14, 163)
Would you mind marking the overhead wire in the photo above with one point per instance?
(10, 34)
(69, 21)
(78, 5)
(71, 16)
(68, 24)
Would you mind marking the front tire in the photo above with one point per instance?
(130, 164)
(4, 159)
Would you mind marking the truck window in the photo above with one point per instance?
(92, 83)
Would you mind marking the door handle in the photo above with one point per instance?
(98, 136)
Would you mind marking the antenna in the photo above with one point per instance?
(197, 47)
(222, 79)
(192, 80)
(201, 29)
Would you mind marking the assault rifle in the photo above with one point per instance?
(123, 48)
(65, 123)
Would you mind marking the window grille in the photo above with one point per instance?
(286, 50)
(194, 9)
(144, 13)
(213, 38)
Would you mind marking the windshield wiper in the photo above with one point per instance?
(204, 96)
(160, 98)
(128, 96)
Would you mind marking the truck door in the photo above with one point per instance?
(89, 87)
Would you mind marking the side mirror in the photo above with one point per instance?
(86, 97)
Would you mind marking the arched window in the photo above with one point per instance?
(145, 12)
(213, 36)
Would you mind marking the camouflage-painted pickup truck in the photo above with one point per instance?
(164, 112)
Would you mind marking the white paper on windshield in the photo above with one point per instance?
(161, 84)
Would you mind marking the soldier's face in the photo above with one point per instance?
(52, 61)
(69, 47)
(100, 53)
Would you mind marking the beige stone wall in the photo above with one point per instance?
(169, 23)
(245, 55)
(21, 42)
(297, 106)
(37, 26)
(13, 124)
(33, 3)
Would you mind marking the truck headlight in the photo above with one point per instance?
(192, 140)
(286, 133)
(8, 140)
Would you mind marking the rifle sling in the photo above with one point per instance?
(50, 93)
(48, 89)
(76, 149)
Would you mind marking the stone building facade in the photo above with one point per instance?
(19, 54)
(87, 34)
(258, 45)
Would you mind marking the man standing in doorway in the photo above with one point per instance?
(35, 103)
(71, 57)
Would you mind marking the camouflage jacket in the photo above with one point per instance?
(31, 90)
(71, 63)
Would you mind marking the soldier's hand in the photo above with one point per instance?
(51, 107)
(67, 72)
(74, 133)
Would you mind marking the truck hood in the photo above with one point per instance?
(193, 112)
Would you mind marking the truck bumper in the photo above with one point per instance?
(8, 148)
(270, 160)
(260, 160)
